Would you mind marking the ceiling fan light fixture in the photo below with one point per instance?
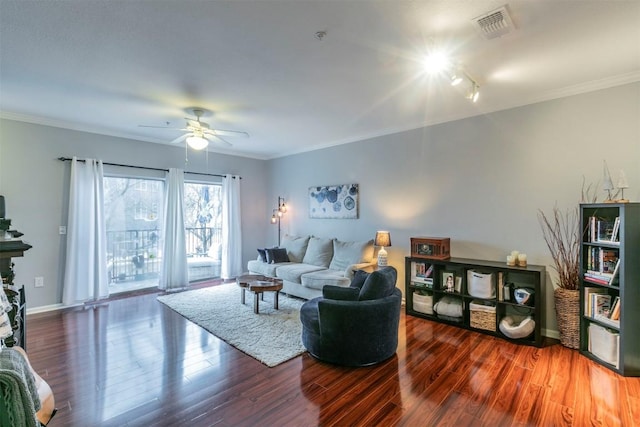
(197, 142)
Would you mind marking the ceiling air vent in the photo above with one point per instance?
(495, 23)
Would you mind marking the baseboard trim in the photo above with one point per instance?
(48, 308)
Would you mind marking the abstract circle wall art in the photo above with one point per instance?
(334, 201)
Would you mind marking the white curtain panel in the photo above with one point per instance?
(231, 230)
(85, 274)
(174, 273)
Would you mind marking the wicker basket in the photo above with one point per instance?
(482, 316)
(423, 303)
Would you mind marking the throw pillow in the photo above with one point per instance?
(277, 255)
(340, 293)
(319, 252)
(349, 253)
(296, 246)
(263, 255)
(379, 284)
(359, 278)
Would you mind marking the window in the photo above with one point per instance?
(203, 229)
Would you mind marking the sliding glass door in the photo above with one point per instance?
(133, 216)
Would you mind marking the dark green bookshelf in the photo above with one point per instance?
(531, 276)
(613, 345)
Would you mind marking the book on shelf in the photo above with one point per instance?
(422, 284)
(603, 278)
(602, 260)
(588, 301)
(615, 309)
(421, 270)
(500, 286)
(600, 304)
(604, 231)
(616, 231)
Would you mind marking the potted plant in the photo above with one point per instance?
(561, 231)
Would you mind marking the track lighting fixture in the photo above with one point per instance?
(474, 90)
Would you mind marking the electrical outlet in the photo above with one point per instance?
(62, 229)
(39, 282)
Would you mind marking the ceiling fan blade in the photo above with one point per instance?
(222, 132)
(180, 138)
(158, 127)
(218, 138)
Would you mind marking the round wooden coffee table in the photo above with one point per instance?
(259, 284)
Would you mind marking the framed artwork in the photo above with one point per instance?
(334, 201)
(448, 281)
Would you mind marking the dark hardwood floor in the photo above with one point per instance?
(134, 362)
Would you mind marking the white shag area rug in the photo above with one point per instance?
(272, 336)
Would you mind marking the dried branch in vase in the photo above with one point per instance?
(561, 232)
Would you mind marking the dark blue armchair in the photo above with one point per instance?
(354, 326)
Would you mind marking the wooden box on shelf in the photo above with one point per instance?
(431, 247)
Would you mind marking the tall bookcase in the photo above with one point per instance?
(610, 285)
(479, 305)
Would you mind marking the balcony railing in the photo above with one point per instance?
(137, 254)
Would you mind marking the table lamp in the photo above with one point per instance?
(383, 238)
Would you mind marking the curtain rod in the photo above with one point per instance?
(65, 159)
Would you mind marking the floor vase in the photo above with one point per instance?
(568, 316)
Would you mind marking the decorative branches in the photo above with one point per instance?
(561, 232)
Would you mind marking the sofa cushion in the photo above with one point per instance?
(262, 255)
(259, 267)
(277, 255)
(322, 277)
(292, 271)
(379, 284)
(296, 246)
(319, 252)
(349, 253)
(359, 278)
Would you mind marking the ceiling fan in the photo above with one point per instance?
(198, 134)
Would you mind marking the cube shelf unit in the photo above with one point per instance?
(427, 280)
(610, 239)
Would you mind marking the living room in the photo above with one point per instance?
(479, 180)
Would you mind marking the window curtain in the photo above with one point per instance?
(85, 275)
(231, 230)
(174, 273)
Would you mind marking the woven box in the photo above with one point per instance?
(482, 316)
(604, 344)
(423, 303)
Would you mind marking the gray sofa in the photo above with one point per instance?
(314, 262)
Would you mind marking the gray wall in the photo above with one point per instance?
(479, 181)
(35, 186)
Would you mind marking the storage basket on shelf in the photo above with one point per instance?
(604, 344)
(482, 315)
(423, 303)
(480, 285)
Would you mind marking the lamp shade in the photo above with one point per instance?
(383, 238)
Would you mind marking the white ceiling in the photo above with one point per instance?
(108, 66)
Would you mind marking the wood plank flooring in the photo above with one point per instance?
(134, 362)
